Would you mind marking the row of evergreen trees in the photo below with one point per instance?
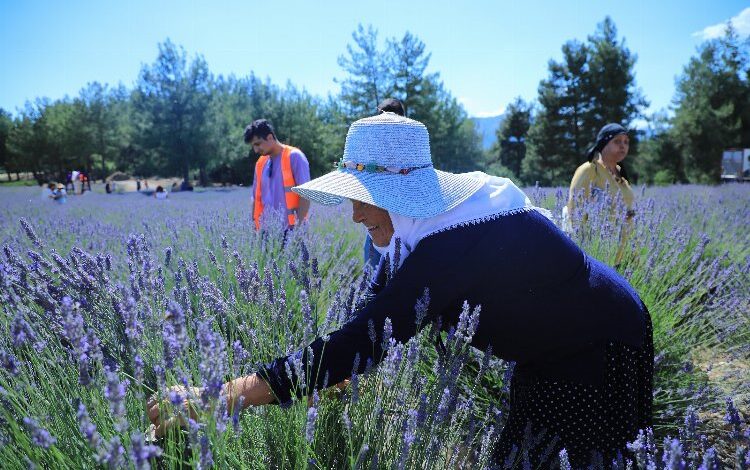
(594, 84)
(180, 119)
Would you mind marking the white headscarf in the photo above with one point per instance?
(497, 197)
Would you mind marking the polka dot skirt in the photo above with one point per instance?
(592, 422)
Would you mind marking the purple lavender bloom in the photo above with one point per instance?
(412, 354)
(468, 321)
(420, 309)
(212, 366)
(207, 458)
(31, 233)
(312, 415)
(176, 398)
(387, 333)
(173, 334)
(268, 284)
(732, 417)
(138, 368)
(114, 392)
(354, 385)
(307, 318)
(710, 460)
(167, 256)
(133, 325)
(371, 331)
(689, 430)
(141, 453)
(236, 414)
(40, 437)
(444, 405)
(392, 362)
(639, 447)
(9, 362)
(85, 346)
(672, 457)
(112, 454)
(363, 455)
(410, 428)
(564, 462)
(239, 357)
(510, 459)
(20, 330)
(87, 428)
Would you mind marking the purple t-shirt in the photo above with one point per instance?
(272, 182)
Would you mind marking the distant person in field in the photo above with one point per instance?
(85, 183)
(49, 191)
(601, 174)
(279, 168)
(388, 105)
(60, 194)
(160, 193)
(579, 333)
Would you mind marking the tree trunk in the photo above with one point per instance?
(104, 170)
(203, 176)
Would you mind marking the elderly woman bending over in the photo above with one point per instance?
(579, 333)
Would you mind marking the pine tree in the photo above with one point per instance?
(713, 105)
(172, 99)
(593, 84)
(558, 137)
(510, 147)
(399, 70)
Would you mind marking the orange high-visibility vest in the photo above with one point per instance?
(291, 198)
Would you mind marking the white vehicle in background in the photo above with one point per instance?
(735, 165)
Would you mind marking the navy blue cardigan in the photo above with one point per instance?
(544, 304)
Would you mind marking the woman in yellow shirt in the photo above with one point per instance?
(601, 173)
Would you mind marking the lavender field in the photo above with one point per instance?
(108, 299)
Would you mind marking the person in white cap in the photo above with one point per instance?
(578, 332)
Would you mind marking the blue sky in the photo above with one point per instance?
(487, 52)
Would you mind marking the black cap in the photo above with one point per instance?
(606, 133)
(392, 105)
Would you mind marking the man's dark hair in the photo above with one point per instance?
(260, 128)
(392, 105)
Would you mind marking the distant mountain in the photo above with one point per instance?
(486, 128)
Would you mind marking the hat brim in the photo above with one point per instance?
(420, 194)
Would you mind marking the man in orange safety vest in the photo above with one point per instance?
(279, 168)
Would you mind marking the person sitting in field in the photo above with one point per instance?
(579, 333)
(60, 195)
(48, 192)
(160, 193)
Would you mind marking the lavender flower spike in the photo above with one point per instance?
(312, 415)
(40, 437)
(141, 453)
(564, 462)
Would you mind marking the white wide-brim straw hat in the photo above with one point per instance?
(387, 163)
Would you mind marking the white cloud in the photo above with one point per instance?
(476, 109)
(741, 23)
(491, 113)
